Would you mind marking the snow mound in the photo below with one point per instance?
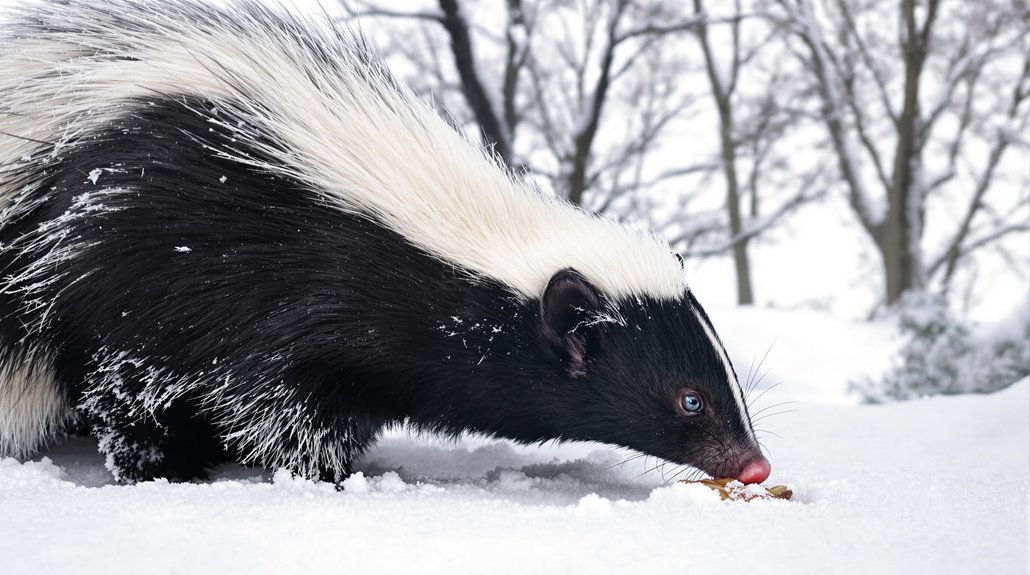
(937, 485)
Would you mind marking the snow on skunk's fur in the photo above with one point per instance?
(229, 233)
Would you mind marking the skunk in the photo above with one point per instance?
(228, 234)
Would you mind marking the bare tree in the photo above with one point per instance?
(480, 97)
(895, 107)
(569, 75)
(589, 88)
(751, 135)
(722, 89)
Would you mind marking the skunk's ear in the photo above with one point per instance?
(566, 309)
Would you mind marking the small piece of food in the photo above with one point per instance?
(781, 492)
(730, 488)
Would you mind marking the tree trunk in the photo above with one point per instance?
(586, 130)
(901, 248)
(722, 94)
(898, 232)
(495, 133)
(729, 162)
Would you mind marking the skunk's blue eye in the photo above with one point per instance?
(690, 403)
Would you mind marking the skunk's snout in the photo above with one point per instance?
(756, 471)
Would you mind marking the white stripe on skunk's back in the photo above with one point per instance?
(305, 93)
(32, 409)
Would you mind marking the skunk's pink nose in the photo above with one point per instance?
(755, 472)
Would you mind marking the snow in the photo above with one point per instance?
(809, 355)
(937, 485)
(1014, 327)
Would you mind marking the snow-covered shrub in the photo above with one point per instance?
(941, 355)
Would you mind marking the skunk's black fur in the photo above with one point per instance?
(201, 309)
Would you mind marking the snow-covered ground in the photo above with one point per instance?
(931, 486)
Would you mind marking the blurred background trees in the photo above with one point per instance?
(588, 95)
(921, 100)
(721, 123)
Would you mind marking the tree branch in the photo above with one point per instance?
(757, 226)
(483, 103)
(517, 37)
(367, 9)
(869, 216)
(652, 28)
(956, 249)
(585, 129)
(867, 59)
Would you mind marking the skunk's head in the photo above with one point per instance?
(649, 374)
